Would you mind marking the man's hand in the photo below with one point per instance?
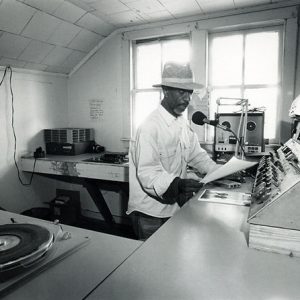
(189, 186)
(180, 191)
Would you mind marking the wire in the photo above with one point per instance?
(13, 128)
(4, 74)
(238, 140)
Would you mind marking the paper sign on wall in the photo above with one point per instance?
(96, 109)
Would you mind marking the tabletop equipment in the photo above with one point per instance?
(274, 211)
(26, 249)
(68, 141)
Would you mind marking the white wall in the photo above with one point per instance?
(39, 102)
(100, 79)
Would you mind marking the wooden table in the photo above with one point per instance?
(94, 176)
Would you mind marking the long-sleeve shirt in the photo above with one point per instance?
(163, 147)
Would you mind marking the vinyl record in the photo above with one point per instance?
(19, 241)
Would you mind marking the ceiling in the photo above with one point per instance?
(55, 35)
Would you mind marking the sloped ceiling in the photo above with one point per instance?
(55, 35)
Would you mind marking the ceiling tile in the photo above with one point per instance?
(244, 3)
(14, 16)
(41, 26)
(85, 41)
(95, 24)
(216, 5)
(82, 5)
(89, 1)
(73, 59)
(146, 6)
(69, 12)
(36, 52)
(64, 34)
(11, 45)
(180, 8)
(127, 1)
(125, 18)
(109, 6)
(35, 66)
(57, 56)
(158, 16)
(14, 63)
(48, 6)
(64, 31)
(58, 69)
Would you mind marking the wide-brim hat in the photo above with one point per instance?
(179, 76)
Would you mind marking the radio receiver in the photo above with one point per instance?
(68, 141)
(253, 141)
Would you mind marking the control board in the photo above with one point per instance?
(276, 174)
(274, 211)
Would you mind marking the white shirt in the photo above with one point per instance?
(163, 147)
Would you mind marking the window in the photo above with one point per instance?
(149, 58)
(247, 64)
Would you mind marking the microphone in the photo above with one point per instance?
(199, 118)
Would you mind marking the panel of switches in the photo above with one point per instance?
(276, 173)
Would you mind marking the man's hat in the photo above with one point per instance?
(179, 76)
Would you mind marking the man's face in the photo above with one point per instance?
(177, 100)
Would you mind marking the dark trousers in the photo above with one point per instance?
(144, 225)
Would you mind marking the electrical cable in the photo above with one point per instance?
(238, 140)
(4, 74)
(13, 129)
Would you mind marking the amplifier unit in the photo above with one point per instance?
(67, 148)
(253, 141)
(69, 135)
(68, 141)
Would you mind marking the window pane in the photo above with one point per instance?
(261, 58)
(266, 97)
(145, 103)
(218, 93)
(148, 65)
(214, 95)
(177, 50)
(226, 60)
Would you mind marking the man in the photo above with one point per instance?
(164, 146)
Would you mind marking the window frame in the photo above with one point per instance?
(244, 31)
(135, 90)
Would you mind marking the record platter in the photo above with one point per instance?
(26, 249)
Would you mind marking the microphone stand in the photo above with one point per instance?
(244, 117)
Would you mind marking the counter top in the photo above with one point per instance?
(76, 166)
(77, 274)
(202, 253)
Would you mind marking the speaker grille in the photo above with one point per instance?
(68, 135)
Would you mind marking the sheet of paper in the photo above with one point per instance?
(225, 197)
(232, 166)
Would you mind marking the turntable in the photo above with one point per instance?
(27, 249)
(21, 245)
